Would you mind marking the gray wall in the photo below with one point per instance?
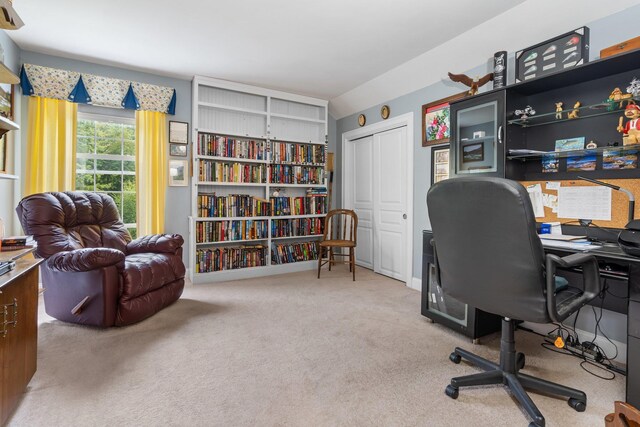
(178, 206)
(604, 32)
(10, 189)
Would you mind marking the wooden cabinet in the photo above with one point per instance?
(18, 332)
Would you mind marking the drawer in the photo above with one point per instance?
(633, 319)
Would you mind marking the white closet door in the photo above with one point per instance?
(390, 189)
(363, 199)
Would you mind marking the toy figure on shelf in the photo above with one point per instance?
(630, 129)
(525, 113)
(573, 114)
(559, 110)
(474, 84)
(617, 97)
(634, 88)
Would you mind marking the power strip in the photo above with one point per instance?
(580, 349)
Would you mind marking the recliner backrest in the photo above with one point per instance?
(64, 221)
(488, 251)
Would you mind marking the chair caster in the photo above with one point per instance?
(520, 360)
(578, 405)
(532, 424)
(451, 391)
(455, 358)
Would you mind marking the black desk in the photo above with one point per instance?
(620, 267)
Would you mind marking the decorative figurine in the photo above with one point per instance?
(591, 145)
(618, 96)
(630, 129)
(559, 110)
(634, 88)
(525, 113)
(573, 114)
(474, 84)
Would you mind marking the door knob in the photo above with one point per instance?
(404, 216)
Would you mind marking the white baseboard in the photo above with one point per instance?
(608, 348)
(415, 283)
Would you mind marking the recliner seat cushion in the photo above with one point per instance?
(146, 272)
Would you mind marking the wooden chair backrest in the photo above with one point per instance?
(341, 224)
(625, 415)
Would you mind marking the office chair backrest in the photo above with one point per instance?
(489, 255)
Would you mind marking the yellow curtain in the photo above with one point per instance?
(151, 171)
(51, 145)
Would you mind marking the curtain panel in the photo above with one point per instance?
(82, 88)
(51, 145)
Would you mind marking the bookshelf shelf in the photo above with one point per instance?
(227, 115)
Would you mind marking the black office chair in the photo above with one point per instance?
(488, 255)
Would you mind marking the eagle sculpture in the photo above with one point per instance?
(473, 84)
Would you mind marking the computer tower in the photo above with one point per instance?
(446, 310)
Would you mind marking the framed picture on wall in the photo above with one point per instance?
(439, 163)
(178, 150)
(178, 132)
(178, 173)
(435, 120)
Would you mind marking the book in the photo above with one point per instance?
(14, 240)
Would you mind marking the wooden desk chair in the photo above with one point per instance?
(625, 415)
(340, 231)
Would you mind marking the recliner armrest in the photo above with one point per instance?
(86, 259)
(156, 243)
(590, 274)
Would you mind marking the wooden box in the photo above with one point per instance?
(624, 46)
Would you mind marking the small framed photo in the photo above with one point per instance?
(178, 150)
(178, 132)
(473, 152)
(178, 173)
(439, 163)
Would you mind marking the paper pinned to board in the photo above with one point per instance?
(553, 185)
(550, 201)
(535, 194)
(586, 202)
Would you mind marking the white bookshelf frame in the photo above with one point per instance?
(265, 189)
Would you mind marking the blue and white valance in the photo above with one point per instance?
(46, 82)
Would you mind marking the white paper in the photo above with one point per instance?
(535, 194)
(550, 201)
(553, 185)
(584, 203)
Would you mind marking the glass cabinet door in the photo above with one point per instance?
(478, 136)
(442, 304)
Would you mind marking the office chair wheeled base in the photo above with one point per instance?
(507, 373)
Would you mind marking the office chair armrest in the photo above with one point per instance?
(590, 274)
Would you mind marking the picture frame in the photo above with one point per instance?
(473, 152)
(178, 150)
(440, 157)
(436, 121)
(178, 132)
(178, 173)
(567, 50)
(6, 100)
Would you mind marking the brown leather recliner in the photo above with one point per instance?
(94, 274)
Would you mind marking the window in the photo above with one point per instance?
(106, 161)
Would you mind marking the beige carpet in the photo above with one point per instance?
(286, 351)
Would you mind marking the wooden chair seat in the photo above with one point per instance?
(340, 231)
(338, 243)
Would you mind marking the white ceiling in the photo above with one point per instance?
(355, 53)
(321, 48)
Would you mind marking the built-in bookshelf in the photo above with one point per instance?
(259, 183)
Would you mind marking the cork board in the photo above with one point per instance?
(619, 201)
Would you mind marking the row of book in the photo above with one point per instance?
(234, 205)
(286, 152)
(212, 206)
(230, 258)
(287, 174)
(16, 243)
(224, 146)
(310, 204)
(296, 227)
(228, 231)
(294, 252)
(232, 172)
